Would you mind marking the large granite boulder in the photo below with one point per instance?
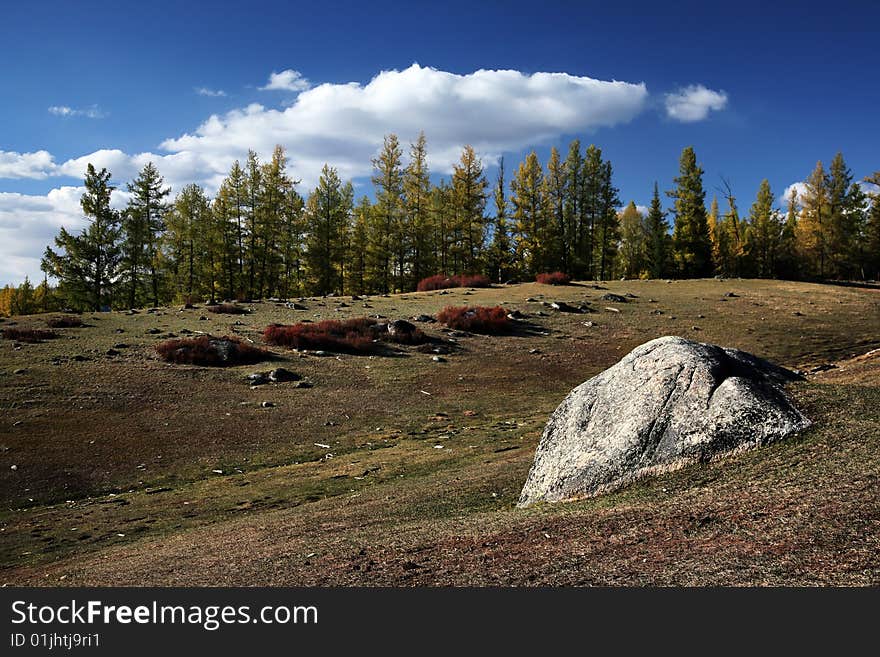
(668, 403)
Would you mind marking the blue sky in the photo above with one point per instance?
(783, 85)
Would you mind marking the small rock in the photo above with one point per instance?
(257, 379)
(438, 359)
(282, 375)
(267, 404)
(13, 467)
(202, 318)
(615, 298)
(731, 294)
(153, 331)
(112, 352)
(19, 371)
(424, 318)
(612, 310)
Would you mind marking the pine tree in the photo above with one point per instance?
(843, 220)
(469, 199)
(500, 253)
(813, 233)
(658, 237)
(720, 250)
(573, 209)
(87, 264)
(732, 231)
(607, 228)
(274, 197)
(327, 214)
(190, 245)
(142, 225)
(691, 243)
(632, 255)
(554, 205)
(530, 216)
(417, 194)
(765, 234)
(872, 231)
(356, 280)
(787, 254)
(234, 194)
(591, 203)
(387, 243)
(253, 219)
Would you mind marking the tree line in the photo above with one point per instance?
(259, 237)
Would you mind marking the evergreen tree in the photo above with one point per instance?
(787, 256)
(327, 213)
(356, 280)
(469, 199)
(530, 216)
(190, 245)
(417, 194)
(691, 243)
(607, 228)
(765, 234)
(732, 231)
(658, 237)
(253, 187)
(554, 205)
(872, 231)
(812, 225)
(87, 265)
(633, 252)
(387, 242)
(500, 253)
(142, 226)
(573, 209)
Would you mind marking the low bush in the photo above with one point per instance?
(477, 319)
(228, 309)
(211, 351)
(554, 278)
(353, 336)
(64, 321)
(28, 335)
(442, 282)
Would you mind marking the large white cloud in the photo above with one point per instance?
(39, 164)
(496, 111)
(693, 103)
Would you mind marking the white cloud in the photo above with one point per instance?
(343, 125)
(93, 112)
(212, 93)
(801, 188)
(693, 103)
(287, 80)
(36, 165)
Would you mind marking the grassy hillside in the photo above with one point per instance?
(129, 470)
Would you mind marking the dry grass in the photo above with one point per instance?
(64, 321)
(28, 335)
(124, 450)
(228, 309)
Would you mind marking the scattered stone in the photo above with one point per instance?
(730, 295)
(400, 328)
(630, 295)
(668, 403)
(257, 379)
(614, 298)
(154, 331)
(590, 324)
(13, 467)
(202, 318)
(120, 345)
(19, 371)
(112, 352)
(424, 318)
(612, 310)
(824, 367)
(295, 306)
(438, 359)
(696, 328)
(320, 353)
(282, 375)
(531, 300)
(564, 307)
(534, 351)
(185, 331)
(267, 404)
(516, 314)
(656, 311)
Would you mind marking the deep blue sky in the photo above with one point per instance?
(801, 79)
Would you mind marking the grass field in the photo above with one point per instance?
(118, 468)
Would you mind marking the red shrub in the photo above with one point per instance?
(65, 321)
(442, 282)
(353, 336)
(477, 319)
(208, 350)
(556, 278)
(28, 335)
(349, 336)
(228, 309)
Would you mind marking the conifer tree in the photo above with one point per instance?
(573, 209)
(87, 265)
(872, 230)
(500, 253)
(387, 241)
(691, 243)
(632, 256)
(813, 230)
(530, 216)
(327, 214)
(417, 193)
(658, 237)
(356, 280)
(469, 198)
(554, 205)
(765, 233)
(142, 225)
(607, 228)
